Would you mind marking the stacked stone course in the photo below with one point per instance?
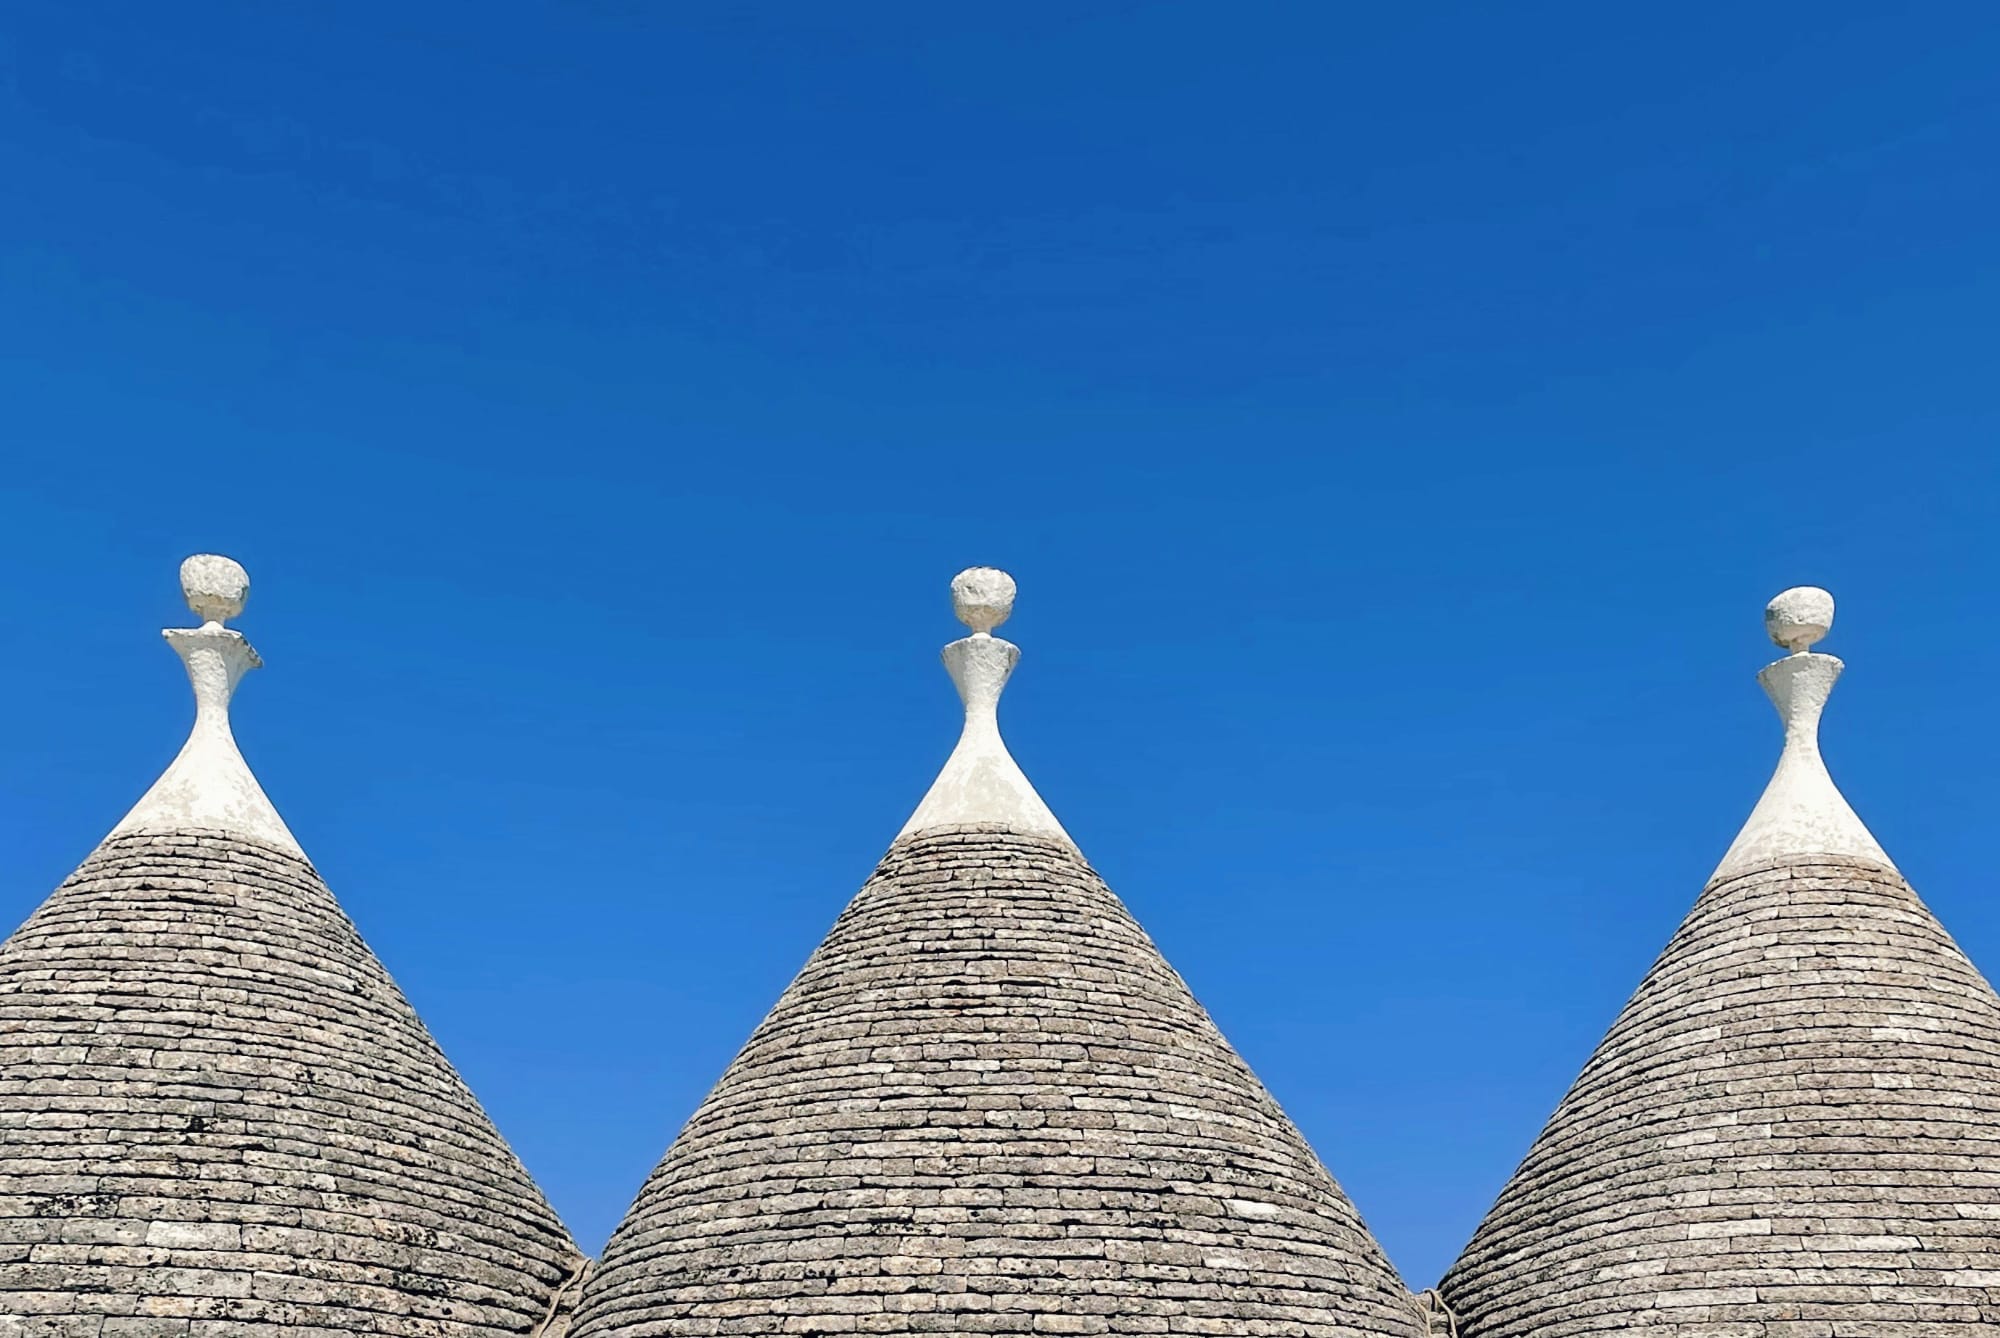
(1791, 1131)
(988, 1105)
(219, 1118)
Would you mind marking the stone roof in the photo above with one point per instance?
(1793, 1128)
(218, 1115)
(987, 1104)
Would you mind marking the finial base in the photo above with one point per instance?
(208, 786)
(981, 782)
(1802, 811)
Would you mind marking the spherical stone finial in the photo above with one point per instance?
(1799, 617)
(982, 597)
(215, 587)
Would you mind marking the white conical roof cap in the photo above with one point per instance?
(1802, 811)
(981, 783)
(209, 786)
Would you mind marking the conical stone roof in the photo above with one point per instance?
(987, 1104)
(1793, 1128)
(218, 1115)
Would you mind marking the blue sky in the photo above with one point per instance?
(1396, 418)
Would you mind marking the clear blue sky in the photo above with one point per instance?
(1396, 416)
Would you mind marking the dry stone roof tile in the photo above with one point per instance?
(988, 1105)
(220, 1118)
(1791, 1131)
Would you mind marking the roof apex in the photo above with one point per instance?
(208, 785)
(1802, 811)
(981, 782)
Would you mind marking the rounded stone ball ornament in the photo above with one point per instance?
(1799, 617)
(215, 587)
(983, 597)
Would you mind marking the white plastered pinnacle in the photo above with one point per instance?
(1801, 812)
(981, 783)
(209, 785)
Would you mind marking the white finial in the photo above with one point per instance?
(981, 783)
(983, 598)
(209, 786)
(1802, 812)
(1799, 618)
(215, 587)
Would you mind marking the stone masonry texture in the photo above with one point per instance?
(219, 1118)
(988, 1105)
(1791, 1131)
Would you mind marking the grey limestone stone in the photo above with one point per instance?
(988, 1105)
(219, 1117)
(1791, 1131)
